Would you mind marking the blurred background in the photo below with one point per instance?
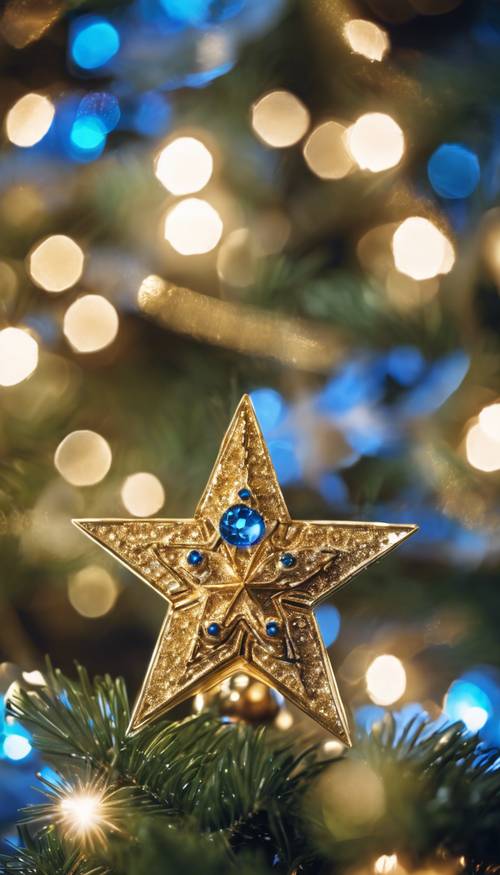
(295, 199)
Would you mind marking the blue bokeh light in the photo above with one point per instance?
(201, 12)
(103, 106)
(270, 408)
(367, 715)
(328, 619)
(405, 364)
(88, 137)
(333, 488)
(152, 115)
(466, 701)
(355, 383)
(285, 460)
(440, 382)
(94, 41)
(454, 171)
(16, 747)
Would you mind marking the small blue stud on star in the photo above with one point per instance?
(195, 557)
(245, 494)
(287, 560)
(272, 628)
(213, 629)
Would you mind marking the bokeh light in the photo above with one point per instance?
(325, 151)
(90, 323)
(269, 406)
(376, 142)
(350, 796)
(280, 119)
(94, 41)
(454, 171)
(88, 136)
(482, 449)
(142, 494)
(385, 679)
(18, 356)
(83, 458)
(467, 702)
(92, 591)
(328, 619)
(386, 864)
(184, 166)
(16, 747)
(56, 263)
(193, 227)
(367, 38)
(202, 12)
(29, 120)
(489, 420)
(420, 249)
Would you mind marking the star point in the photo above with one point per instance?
(239, 607)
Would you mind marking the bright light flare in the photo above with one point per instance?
(376, 142)
(367, 38)
(193, 227)
(184, 166)
(385, 864)
(482, 450)
(280, 119)
(421, 250)
(56, 263)
(18, 356)
(83, 814)
(489, 420)
(29, 120)
(386, 679)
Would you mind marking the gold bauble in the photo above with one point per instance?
(241, 698)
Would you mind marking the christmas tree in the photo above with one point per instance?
(294, 199)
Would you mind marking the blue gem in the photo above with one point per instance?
(272, 628)
(213, 629)
(245, 494)
(194, 557)
(242, 526)
(287, 560)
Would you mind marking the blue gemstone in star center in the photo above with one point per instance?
(242, 526)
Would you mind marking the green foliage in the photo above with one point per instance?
(211, 797)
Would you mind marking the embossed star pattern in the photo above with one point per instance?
(241, 580)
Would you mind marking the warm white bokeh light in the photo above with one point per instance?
(142, 494)
(367, 38)
(29, 120)
(420, 249)
(184, 166)
(83, 458)
(280, 119)
(56, 263)
(489, 420)
(376, 142)
(483, 450)
(385, 679)
(82, 815)
(18, 356)
(385, 864)
(325, 151)
(92, 591)
(90, 323)
(193, 226)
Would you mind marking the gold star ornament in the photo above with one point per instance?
(241, 580)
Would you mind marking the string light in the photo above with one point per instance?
(376, 142)
(92, 591)
(90, 323)
(280, 119)
(325, 151)
(385, 679)
(193, 227)
(420, 249)
(56, 263)
(82, 813)
(184, 166)
(18, 356)
(83, 458)
(29, 120)
(482, 449)
(366, 38)
(142, 494)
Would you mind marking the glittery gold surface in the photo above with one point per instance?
(242, 589)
